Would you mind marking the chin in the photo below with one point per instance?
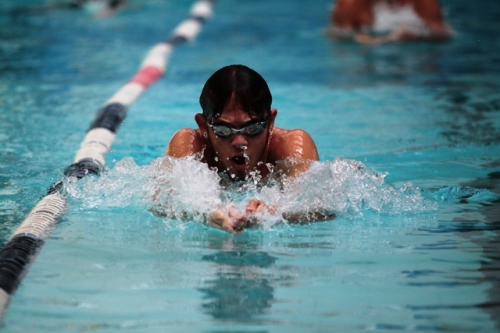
(241, 175)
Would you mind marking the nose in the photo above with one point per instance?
(239, 140)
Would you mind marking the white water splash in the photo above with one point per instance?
(172, 187)
(186, 188)
(346, 188)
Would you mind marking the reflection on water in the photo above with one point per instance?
(391, 64)
(241, 289)
(487, 235)
(473, 119)
(473, 113)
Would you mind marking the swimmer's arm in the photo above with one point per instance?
(435, 33)
(307, 217)
(257, 206)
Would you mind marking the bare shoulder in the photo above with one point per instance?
(429, 10)
(292, 143)
(352, 14)
(185, 142)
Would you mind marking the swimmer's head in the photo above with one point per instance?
(238, 84)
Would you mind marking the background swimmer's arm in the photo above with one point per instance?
(401, 35)
(350, 17)
(431, 14)
(185, 142)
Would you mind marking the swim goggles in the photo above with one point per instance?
(226, 131)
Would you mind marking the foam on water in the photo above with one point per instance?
(187, 189)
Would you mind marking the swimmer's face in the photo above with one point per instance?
(240, 153)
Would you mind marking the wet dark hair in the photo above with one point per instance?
(250, 89)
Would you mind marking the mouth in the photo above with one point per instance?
(240, 162)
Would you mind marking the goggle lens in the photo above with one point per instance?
(226, 131)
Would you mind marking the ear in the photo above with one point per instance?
(202, 123)
(274, 113)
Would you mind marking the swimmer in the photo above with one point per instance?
(383, 21)
(236, 135)
(100, 8)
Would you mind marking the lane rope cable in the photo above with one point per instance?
(26, 241)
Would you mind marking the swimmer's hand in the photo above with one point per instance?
(258, 206)
(255, 207)
(232, 220)
(229, 218)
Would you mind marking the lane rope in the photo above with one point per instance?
(26, 241)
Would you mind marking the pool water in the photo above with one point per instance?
(409, 143)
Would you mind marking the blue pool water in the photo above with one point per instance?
(415, 246)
